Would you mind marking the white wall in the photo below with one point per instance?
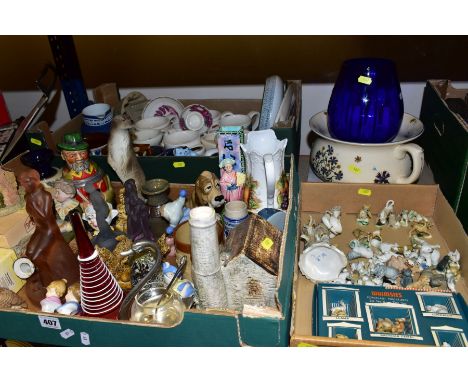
(314, 99)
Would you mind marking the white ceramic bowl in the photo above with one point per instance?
(177, 138)
(155, 141)
(144, 135)
(153, 123)
(209, 140)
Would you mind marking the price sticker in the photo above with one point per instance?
(67, 333)
(364, 80)
(364, 191)
(49, 322)
(178, 164)
(354, 168)
(305, 345)
(267, 243)
(36, 141)
(85, 338)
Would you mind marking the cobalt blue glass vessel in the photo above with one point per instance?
(366, 105)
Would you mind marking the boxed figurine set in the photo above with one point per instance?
(388, 271)
(397, 315)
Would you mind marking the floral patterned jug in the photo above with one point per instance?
(264, 157)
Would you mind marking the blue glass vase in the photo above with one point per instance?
(366, 105)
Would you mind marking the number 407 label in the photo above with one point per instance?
(50, 322)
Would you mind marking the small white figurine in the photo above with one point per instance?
(55, 290)
(437, 308)
(72, 301)
(364, 215)
(331, 219)
(90, 216)
(359, 250)
(404, 219)
(63, 193)
(315, 233)
(392, 220)
(452, 271)
(383, 215)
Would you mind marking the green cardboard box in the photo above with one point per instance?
(445, 143)
(267, 327)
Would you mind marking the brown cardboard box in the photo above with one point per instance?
(317, 197)
(14, 227)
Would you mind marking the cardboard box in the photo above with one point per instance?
(251, 327)
(445, 143)
(14, 227)
(316, 198)
(8, 278)
(290, 129)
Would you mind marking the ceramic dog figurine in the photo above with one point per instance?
(207, 192)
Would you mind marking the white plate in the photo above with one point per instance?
(322, 262)
(288, 99)
(410, 128)
(272, 97)
(162, 107)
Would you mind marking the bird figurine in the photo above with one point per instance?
(174, 211)
(10, 300)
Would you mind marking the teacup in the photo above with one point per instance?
(242, 120)
(97, 118)
(209, 140)
(216, 119)
(154, 141)
(196, 117)
(176, 138)
(154, 123)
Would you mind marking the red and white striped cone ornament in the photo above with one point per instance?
(101, 295)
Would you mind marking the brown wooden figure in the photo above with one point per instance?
(47, 249)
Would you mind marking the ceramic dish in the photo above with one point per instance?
(181, 138)
(286, 104)
(272, 97)
(196, 117)
(153, 123)
(410, 129)
(161, 107)
(156, 140)
(322, 262)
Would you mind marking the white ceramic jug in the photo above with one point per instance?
(264, 157)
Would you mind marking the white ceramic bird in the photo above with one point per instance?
(173, 211)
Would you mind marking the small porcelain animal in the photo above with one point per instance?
(339, 310)
(406, 278)
(437, 308)
(364, 215)
(173, 211)
(331, 219)
(359, 250)
(383, 215)
(121, 156)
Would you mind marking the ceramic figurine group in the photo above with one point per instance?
(57, 290)
(372, 261)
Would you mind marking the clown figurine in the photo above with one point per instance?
(81, 170)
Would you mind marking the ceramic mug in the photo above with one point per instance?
(243, 120)
(235, 213)
(398, 161)
(97, 118)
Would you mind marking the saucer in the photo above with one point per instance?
(272, 97)
(161, 107)
(410, 129)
